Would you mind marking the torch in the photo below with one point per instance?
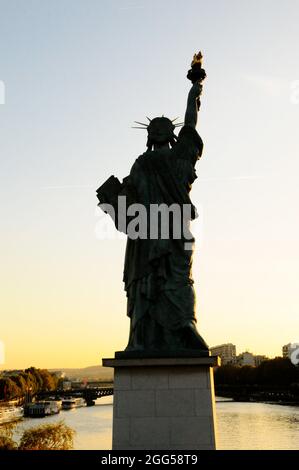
(197, 73)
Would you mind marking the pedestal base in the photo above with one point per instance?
(163, 403)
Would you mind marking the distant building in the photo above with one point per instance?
(246, 359)
(286, 350)
(227, 353)
(258, 359)
(78, 384)
(66, 385)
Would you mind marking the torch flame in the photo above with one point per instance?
(197, 59)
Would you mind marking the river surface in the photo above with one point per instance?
(240, 425)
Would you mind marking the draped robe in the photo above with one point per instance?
(158, 272)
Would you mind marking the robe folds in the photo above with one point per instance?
(158, 271)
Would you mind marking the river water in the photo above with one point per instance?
(240, 425)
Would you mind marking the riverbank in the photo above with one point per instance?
(252, 394)
(240, 425)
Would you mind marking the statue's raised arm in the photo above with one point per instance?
(193, 105)
(196, 75)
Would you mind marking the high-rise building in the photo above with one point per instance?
(227, 353)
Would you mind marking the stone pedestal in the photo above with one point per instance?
(163, 403)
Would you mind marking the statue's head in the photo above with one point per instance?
(160, 131)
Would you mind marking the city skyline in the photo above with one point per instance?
(284, 352)
(78, 74)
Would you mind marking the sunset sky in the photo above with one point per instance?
(77, 73)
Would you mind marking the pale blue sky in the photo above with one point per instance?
(77, 74)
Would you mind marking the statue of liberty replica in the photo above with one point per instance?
(158, 279)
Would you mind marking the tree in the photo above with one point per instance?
(6, 443)
(9, 389)
(20, 382)
(56, 436)
(36, 382)
(49, 381)
(278, 372)
(6, 440)
(275, 373)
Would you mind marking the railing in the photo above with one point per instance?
(89, 394)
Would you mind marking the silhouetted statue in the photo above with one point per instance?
(158, 269)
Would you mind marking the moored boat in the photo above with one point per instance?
(10, 414)
(42, 408)
(71, 403)
(57, 401)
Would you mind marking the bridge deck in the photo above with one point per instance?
(87, 393)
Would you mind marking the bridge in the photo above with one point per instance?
(89, 394)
